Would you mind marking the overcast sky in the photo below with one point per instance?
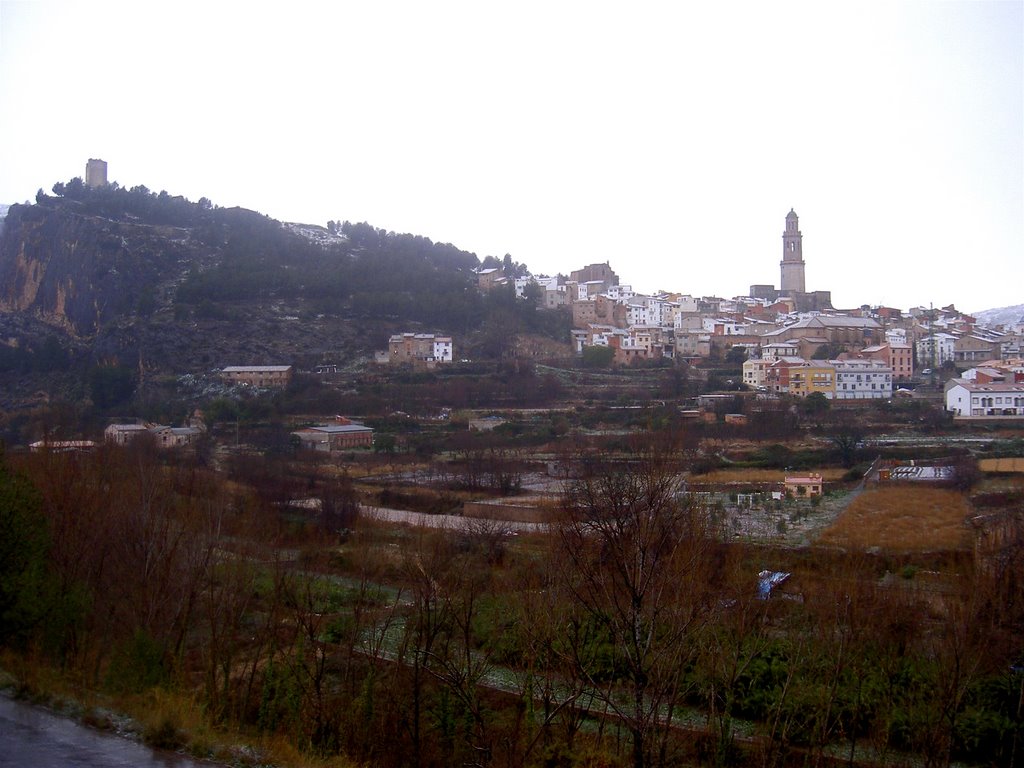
(669, 139)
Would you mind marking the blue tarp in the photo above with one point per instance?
(767, 581)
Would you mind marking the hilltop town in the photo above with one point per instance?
(790, 341)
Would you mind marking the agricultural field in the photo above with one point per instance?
(329, 615)
(1014, 465)
(902, 519)
(752, 475)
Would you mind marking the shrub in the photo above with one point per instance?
(163, 734)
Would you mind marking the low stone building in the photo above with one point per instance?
(262, 376)
(342, 435)
(162, 435)
(420, 348)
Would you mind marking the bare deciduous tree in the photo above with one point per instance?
(639, 564)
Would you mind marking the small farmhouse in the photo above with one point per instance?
(803, 486)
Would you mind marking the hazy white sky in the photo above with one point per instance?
(669, 139)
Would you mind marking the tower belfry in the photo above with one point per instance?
(792, 257)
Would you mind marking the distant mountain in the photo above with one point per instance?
(1001, 315)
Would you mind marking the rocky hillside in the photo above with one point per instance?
(166, 287)
(81, 272)
(1001, 315)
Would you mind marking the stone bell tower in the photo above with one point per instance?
(792, 257)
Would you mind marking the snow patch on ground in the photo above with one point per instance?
(316, 234)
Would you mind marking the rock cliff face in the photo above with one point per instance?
(91, 282)
(80, 272)
(101, 277)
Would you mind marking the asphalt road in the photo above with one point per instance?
(33, 736)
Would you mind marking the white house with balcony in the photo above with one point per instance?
(862, 379)
(780, 349)
(994, 399)
(935, 349)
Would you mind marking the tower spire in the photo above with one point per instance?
(792, 256)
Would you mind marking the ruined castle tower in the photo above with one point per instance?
(792, 257)
(95, 173)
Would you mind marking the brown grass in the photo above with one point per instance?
(902, 519)
(1002, 465)
(155, 710)
(759, 475)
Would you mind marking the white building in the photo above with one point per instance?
(659, 310)
(862, 379)
(588, 290)
(620, 292)
(638, 311)
(896, 336)
(443, 349)
(780, 349)
(935, 349)
(1000, 399)
(723, 326)
(521, 283)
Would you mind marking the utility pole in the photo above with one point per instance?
(931, 333)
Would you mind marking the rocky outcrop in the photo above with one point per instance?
(104, 284)
(80, 272)
(166, 288)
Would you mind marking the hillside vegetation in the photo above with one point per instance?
(161, 285)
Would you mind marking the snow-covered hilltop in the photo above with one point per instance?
(1001, 315)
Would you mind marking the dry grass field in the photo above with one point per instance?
(902, 519)
(1001, 465)
(760, 475)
